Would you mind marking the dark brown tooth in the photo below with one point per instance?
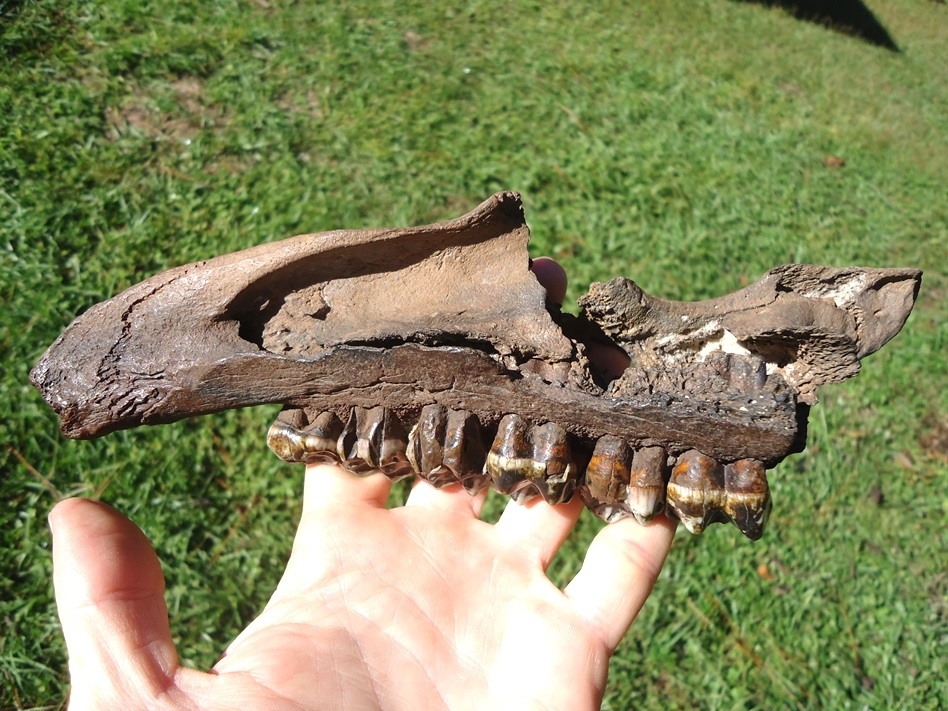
(393, 456)
(696, 491)
(464, 451)
(607, 479)
(747, 501)
(646, 498)
(426, 446)
(360, 443)
(553, 466)
(510, 459)
(445, 447)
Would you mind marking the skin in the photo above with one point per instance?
(420, 606)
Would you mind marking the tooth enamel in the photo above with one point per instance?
(527, 461)
(621, 483)
(426, 446)
(696, 491)
(509, 461)
(702, 492)
(393, 458)
(748, 500)
(553, 463)
(359, 443)
(284, 441)
(464, 451)
(606, 485)
(445, 447)
(646, 498)
(295, 441)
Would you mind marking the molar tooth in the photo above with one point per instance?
(606, 484)
(646, 498)
(510, 459)
(553, 466)
(359, 443)
(293, 440)
(445, 447)
(621, 482)
(320, 437)
(426, 446)
(464, 451)
(696, 491)
(393, 457)
(285, 441)
(528, 461)
(747, 502)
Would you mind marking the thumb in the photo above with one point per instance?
(110, 595)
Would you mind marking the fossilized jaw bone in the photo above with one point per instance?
(432, 350)
(810, 324)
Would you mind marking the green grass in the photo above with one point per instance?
(681, 143)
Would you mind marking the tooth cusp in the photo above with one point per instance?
(553, 461)
(393, 455)
(509, 461)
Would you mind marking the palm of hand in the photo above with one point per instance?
(422, 606)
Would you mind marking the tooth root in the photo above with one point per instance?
(606, 484)
(510, 459)
(646, 498)
(553, 466)
(293, 440)
(747, 502)
(464, 453)
(359, 443)
(696, 491)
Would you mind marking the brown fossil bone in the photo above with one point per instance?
(432, 350)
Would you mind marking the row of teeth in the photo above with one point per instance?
(524, 460)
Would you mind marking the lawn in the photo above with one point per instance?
(688, 144)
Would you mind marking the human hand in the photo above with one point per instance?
(421, 606)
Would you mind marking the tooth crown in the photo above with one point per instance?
(411, 350)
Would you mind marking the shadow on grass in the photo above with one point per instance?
(849, 16)
(9, 8)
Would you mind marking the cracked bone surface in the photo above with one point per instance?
(432, 350)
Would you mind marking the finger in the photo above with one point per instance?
(618, 574)
(610, 359)
(329, 485)
(453, 499)
(551, 276)
(538, 528)
(110, 595)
